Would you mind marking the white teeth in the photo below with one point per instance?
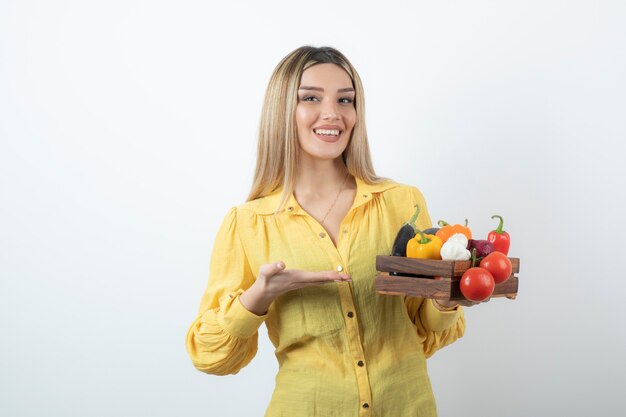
(326, 132)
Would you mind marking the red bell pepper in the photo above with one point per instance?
(500, 239)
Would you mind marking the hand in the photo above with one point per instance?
(445, 304)
(273, 280)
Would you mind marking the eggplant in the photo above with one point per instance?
(406, 233)
(431, 231)
(483, 247)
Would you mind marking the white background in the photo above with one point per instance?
(128, 130)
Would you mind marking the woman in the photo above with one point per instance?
(299, 256)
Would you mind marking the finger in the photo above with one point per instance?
(272, 269)
(322, 282)
(313, 284)
(324, 276)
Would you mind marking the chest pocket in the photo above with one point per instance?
(310, 312)
(321, 309)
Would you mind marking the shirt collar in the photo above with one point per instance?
(364, 193)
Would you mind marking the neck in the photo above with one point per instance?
(320, 177)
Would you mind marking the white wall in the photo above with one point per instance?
(127, 130)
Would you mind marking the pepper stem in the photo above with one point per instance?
(412, 220)
(441, 223)
(473, 257)
(499, 229)
(465, 222)
(423, 239)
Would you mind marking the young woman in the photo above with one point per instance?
(300, 254)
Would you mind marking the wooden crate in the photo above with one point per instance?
(427, 278)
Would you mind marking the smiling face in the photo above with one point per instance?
(325, 113)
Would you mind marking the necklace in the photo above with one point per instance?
(336, 198)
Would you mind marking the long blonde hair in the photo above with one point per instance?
(278, 148)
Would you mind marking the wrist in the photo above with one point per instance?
(445, 305)
(256, 299)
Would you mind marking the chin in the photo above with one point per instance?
(326, 155)
(325, 152)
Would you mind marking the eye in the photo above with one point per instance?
(345, 100)
(309, 98)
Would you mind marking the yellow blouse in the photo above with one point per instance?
(343, 349)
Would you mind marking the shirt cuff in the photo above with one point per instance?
(436, 320)
(237, 320)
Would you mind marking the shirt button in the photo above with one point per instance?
(345, 231)
(364, 195)
(322, 234)
(360, 363)
(350, 314)
(366, 405)
(340, 268)
(290, 208)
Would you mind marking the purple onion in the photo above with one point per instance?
(483, 247)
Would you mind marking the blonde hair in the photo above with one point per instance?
(278, 148)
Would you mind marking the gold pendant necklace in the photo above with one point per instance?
(336, 198)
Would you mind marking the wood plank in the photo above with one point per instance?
(401, 264)
(461, 266)
(415, 287)
(428, 267)
(441, 289)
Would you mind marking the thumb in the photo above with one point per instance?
(269, 270)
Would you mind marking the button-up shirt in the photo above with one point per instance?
(343, 349)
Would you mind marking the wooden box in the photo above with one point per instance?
(427, 278)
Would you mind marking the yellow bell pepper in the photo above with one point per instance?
(424, 246)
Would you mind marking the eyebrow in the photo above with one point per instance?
(341, 90)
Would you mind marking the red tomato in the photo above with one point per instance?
(499, 265)
(477, 284)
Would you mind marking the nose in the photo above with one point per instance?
(329, 112)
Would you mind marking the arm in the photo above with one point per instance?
(436, 328)
(223, 337)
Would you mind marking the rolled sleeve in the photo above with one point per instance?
(436, 320)
(238, 320)
(223, 337)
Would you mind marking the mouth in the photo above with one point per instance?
(328, 135)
